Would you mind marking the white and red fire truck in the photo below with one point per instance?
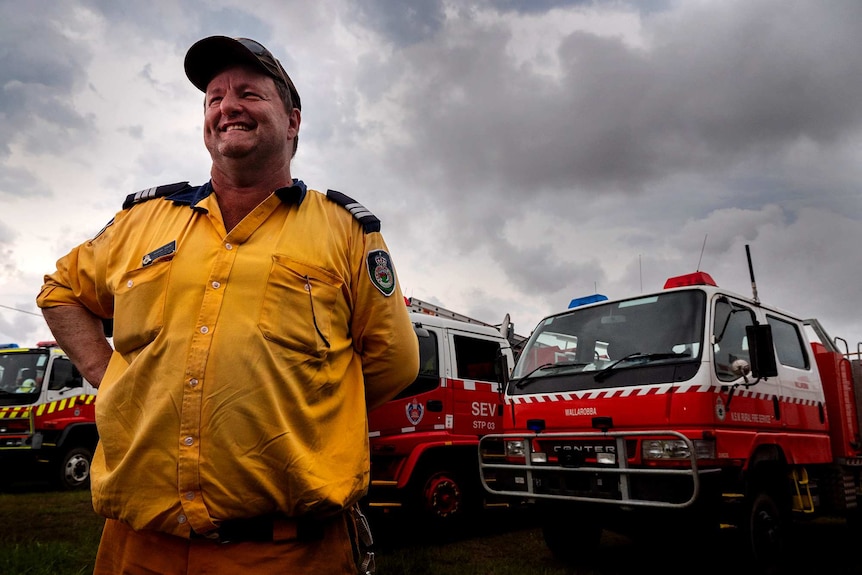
(47, 418)
(424, 441)
(679, 412)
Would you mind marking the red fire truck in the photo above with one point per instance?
(424, 441)
(47, 417)
(679, 412)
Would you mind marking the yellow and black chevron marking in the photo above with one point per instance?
(23, 412)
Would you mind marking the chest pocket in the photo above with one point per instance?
(298, 306)
(139, 306)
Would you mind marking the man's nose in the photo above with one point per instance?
(230, 104)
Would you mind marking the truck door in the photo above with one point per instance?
(63, 380)
(751, 407)
(476, 384)
(801, 388)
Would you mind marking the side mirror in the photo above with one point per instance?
(761, 350)
(502, 369)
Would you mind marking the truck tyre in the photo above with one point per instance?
(442, 497)
(73, 469)
(572, 537)
(766, 531)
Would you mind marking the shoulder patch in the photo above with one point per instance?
(380, 271)
(150, 193)
(369, 221)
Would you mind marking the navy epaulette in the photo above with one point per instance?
(370, 222)
(150, 193)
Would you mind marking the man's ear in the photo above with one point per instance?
(294, 119)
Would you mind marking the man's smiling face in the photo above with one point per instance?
(244, 116)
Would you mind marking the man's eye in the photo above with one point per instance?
(215, 100)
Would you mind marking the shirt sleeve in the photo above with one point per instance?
(80, 278)
(383, 333)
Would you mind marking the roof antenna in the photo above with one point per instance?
(701, 252)
(641, 272)
(751, 274)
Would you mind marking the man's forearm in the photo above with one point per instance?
(81, 335)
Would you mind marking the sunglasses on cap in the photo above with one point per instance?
(208, 56)
(272, 65)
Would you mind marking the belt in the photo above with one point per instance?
(266, 528)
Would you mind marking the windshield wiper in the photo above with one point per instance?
(612, 368)
(527, 379)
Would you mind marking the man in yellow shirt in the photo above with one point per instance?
(255, 321)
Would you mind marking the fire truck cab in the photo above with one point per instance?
(47, 419)
(424, 441)
(676, 413)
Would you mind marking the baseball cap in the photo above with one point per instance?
(207, 57)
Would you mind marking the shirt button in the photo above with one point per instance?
(193, 382)
(205, 329)
(130, 283)
(216, 285)
(190, 495)
(189, 440)
(228, 247)
(181, 519)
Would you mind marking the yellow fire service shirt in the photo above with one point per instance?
(244, 362)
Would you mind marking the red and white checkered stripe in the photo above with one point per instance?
(644, 390)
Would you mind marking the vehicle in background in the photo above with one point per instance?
(670, 415)
(424, 455)
(47, 417)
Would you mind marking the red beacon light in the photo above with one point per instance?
(692, 279)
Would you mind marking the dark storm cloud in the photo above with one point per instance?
(40, 68)
(402, 23)
(19, 183)
(702, 98)
(536, 6)
(540, 6)
(724, 111)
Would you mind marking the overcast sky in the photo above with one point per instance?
(518, 152)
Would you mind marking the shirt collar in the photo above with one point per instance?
(293, 194)
(191, 196)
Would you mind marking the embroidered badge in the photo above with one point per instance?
(380, 271)
(415, 411)
(166, 250)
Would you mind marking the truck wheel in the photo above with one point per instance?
(442, 496)
(766, 533)
(73, 470)
(572, 537)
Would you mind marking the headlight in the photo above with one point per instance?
(538, 457)
(606, 458)
(515, 448)
(677, 449)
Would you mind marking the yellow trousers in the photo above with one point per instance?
(124, 551)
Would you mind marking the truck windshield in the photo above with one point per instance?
(21, 374)
(583, 348)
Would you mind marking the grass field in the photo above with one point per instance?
(56, 533)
